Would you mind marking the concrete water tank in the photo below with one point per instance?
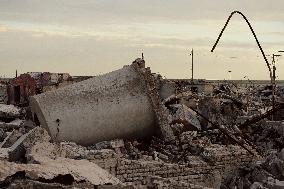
(113, 105)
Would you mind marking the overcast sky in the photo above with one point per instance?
(91, 37)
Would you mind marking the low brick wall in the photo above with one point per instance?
(226, 158)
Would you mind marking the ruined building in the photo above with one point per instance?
(132, 129)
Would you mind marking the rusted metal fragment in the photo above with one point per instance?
(258, 118)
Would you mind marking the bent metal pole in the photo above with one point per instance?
(259, 46)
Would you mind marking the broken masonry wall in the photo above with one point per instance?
(196, 172)
(113, 105)
(20, 89)
(153, 85)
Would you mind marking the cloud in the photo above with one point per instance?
(88, 12)
(3, 29)
(104, 35)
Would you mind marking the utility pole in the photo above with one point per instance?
(191, 54)
(274, 79)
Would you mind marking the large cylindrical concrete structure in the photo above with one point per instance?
(114, 105)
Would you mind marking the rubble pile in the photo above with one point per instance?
(228, 138)
(259, 175)
(9, 111)
(267, 135)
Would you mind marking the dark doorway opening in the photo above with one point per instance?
(36, 121)
(17, 94)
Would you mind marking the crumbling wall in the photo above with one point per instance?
(196, 172)
(20, 89)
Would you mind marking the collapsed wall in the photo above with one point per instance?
(195, 172)
(113, 105)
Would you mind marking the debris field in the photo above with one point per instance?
(131, 128)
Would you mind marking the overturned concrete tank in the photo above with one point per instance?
(113, 105)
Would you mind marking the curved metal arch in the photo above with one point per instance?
(259, 46)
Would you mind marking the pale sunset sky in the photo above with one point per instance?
(91, 37)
